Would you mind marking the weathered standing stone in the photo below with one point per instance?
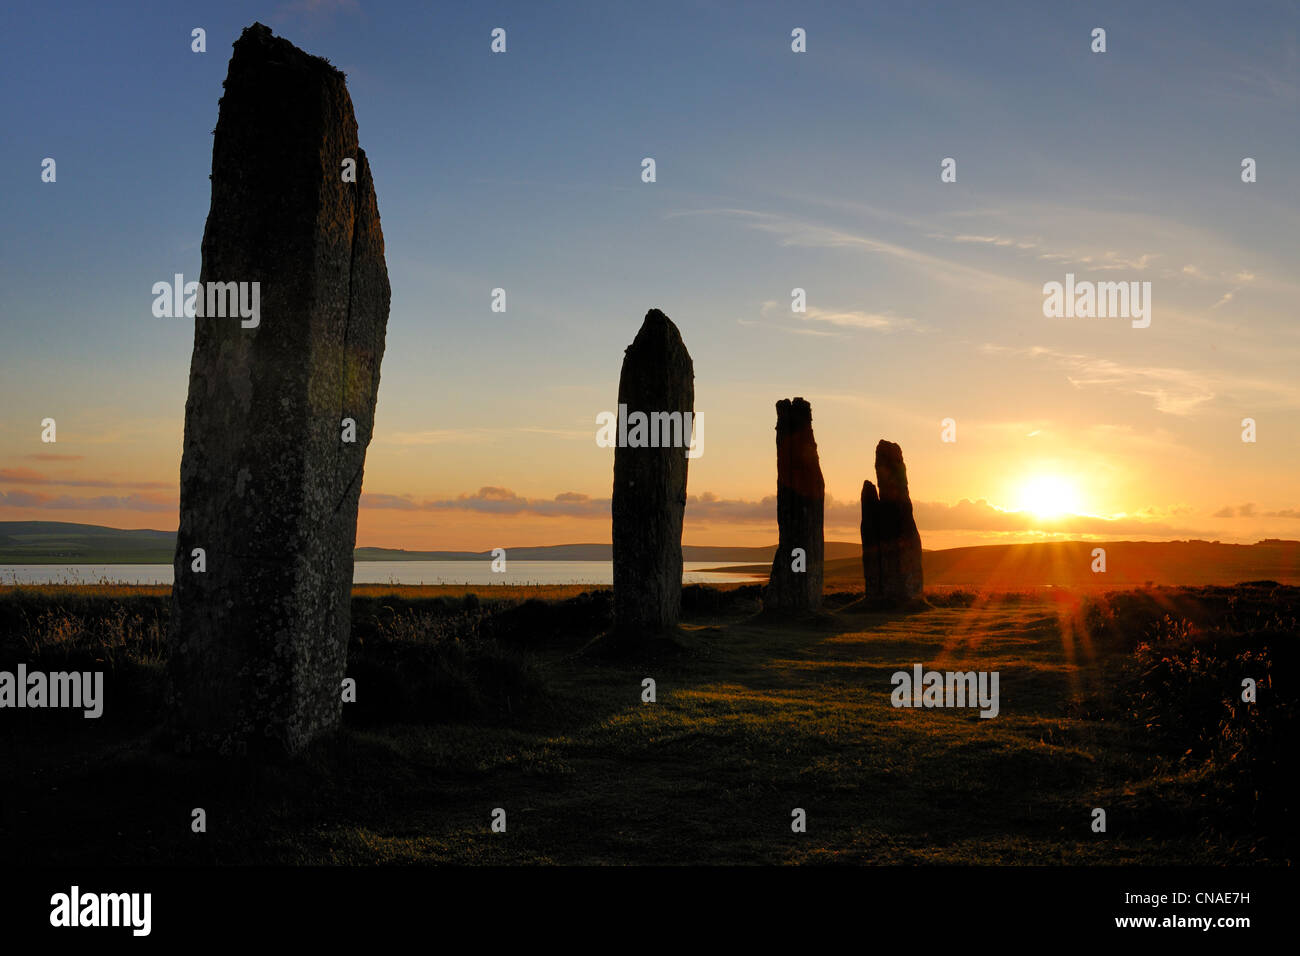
(871, 569)
(649, 500)
(800, 507)
(269, 485)
(891, 544)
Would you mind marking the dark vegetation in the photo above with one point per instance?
(1180, 660)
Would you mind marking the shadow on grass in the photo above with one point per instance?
(755, 714)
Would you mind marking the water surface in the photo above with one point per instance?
(375, 572)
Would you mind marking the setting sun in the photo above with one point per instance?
(1048, 496)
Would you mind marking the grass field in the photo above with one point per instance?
(469, 703)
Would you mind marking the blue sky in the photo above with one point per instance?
(775, 170)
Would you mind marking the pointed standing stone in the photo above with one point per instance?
(649, 499)
(269, 485)
(891, 543)
(796, 579)
(871, 569)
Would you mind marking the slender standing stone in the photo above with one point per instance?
(871, 569)
(891, 543)
(649, 499)
(796, 582)
(269, 480)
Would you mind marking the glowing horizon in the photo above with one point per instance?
(925, 299)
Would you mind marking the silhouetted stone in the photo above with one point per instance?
(800, 506)
(872, 572)
(649, 500)
(269, 488)
(891, 544)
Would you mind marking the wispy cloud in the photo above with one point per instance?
(496, 500)
(13, 476)
(858, 319)
(1108, 261)
(802, 233)
(1227, 297)
(987, 240)
(1248, 510)
(846, 318)
(31, 499)
(709, 509)
(1174, 391)
(478, 436)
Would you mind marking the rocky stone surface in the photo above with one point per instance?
(269, 480)
(796, 579)
(649, 498)
(891, 544)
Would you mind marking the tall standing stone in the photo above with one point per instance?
(279, 413)
(796, 579)
(656, 397)
(891, 543)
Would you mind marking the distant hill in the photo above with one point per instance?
(58, 542)
(597, 552)
(1069, 564)
(997, 566)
